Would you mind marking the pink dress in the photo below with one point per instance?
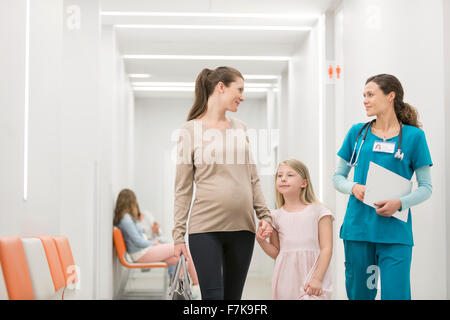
(299, 250)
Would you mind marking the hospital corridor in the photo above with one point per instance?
(330, 183)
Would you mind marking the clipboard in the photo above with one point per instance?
(383, 184)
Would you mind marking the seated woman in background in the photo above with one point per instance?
(151, 231)
(141, 250)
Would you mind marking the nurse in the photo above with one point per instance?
(374, 241)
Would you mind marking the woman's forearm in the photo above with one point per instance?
(422, 193)
(340, 181)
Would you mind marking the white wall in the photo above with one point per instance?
(80, 145)
(80, 115)
(446, 14)
(39, 214)
(116, 165)
(155, 120)
(300, 117)
(404, 38)
(329, 149)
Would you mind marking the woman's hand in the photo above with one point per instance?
(388, 207)
(180, 248)
(266, 229)
(313, 287)
(259, 233)
(358, 191)
(155, 227)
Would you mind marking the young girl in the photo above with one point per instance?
(302, 239)
(141, 250)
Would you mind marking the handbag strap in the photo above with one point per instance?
(175, 275)
(185, 274)
(181, 265)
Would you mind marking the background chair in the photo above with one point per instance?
(70, 270)
(121, 251)
(41, 278)
(55, 266)
(15, 270)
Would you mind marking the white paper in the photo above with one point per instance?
(383, 184)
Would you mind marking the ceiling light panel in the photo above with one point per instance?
(207, 18)
(139, 75)
(210, 15)
(213, 27)
(192, 84)
(204, 57)
(186, 89)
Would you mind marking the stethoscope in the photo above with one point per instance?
(366, 126)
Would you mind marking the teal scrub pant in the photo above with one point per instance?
(363, 262)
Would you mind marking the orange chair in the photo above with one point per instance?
(15, 269)
(38, 267)
(69, 268)
(121, 251)
(54, 264)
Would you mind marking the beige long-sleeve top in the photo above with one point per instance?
(228, 191)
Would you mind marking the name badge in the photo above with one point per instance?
(383, 146)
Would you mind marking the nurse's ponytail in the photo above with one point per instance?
(405, 113)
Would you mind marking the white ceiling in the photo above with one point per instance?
(150, 41)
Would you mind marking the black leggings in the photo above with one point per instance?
(221, 260)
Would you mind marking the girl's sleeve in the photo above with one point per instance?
(324, 211)
(423, 192)
(340, 181)
(184, 185)
(130, 229)
(274, 220)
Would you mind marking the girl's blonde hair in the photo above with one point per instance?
(306, 194)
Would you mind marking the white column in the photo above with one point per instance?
(102, 234)
(447, 128)
(80, 110)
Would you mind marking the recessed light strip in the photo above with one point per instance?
(210, 15)
(246, 76)
(212, 27)
(26, 99)
(186, 89)
(198, 57)
(139, 75)
(192, 84)
(260, 77)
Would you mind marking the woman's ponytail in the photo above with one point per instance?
(406, 113)
(201, 95)
(205, 84)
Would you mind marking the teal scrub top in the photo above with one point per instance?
(361, 222)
